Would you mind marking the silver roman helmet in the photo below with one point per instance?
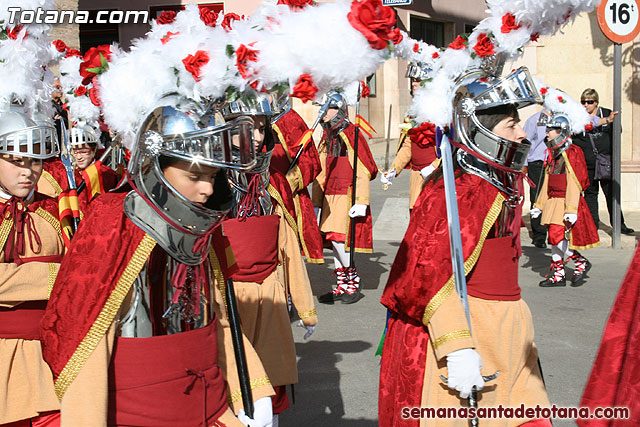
(561, 123)
(82, 134)
(418, 71)
(22, 136)
(199, 136)
(335, 99)
(266, 105)
(478, 93)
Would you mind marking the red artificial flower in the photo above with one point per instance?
(60, 45)
(588, 127)
(208, 16)
(243, 56)
(96, 61)
(193, 63)
(423, 135)
(509, 23)
(459, 43)
(484, 46)
(534, 37)
(305, 89)
(72, 52)
(166, 17)
(365, 90)
(12, 33)
(168, 36)
(543, 91)
(435, 55)
(561, 99)
(296, 4)
(80, 90)
(93, 95)
(375, 21)
(65, 107)
(416, 47)
(228, 19)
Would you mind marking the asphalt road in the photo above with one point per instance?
(338, 371)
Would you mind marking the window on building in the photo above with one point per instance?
(468, 28)
(431, 32)
(92, 35)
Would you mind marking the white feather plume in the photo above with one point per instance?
(557, 101)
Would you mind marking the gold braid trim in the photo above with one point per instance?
(257, 383)
(307, 314)
(5, 229)
(303, 243)
(469, 263)
(274, 193)
(106, 316)
(571, 171)
(219, 277)
(50, 219)
(453, 335)
(53, 273)
(51, 180)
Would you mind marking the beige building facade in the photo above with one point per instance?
(576, 59)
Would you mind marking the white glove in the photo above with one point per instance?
(535, 213)
(463, 370)
(570, 218)
(262, 414)
(426, 171)
(358, 211)
(310, 329)
(388, 176)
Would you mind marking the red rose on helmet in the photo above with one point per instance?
(193, 63)
(423, 135)
(296, 4)
(166, 17)
(375, 21)
(459, 43)
(208, 16)
(72, 52)
(435, 55)
(168, 36)
(228, 19)
(305, 89)
(95, 62)
(589, 127)
(365, 90)
(80, 90)
(416, 47)
(60, 45)
(534, 37)
(509, 23)
(12, 33)
(244, 55)
(543, 91)
(484, 46)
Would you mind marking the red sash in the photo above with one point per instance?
(167, 381)
(421, 157)
(557, 185)
(255, 245)
(339, 175)
(23, 321)
(495, 276)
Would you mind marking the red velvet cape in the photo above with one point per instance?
(423, 263)
(289, 130)
(102, 248)
(584, 233)
(614, 377)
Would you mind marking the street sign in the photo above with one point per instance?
(619, 19)
(396, 2)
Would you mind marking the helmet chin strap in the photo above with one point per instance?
(5, 194)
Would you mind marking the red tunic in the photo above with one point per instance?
(107, 254)
(289, 131)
